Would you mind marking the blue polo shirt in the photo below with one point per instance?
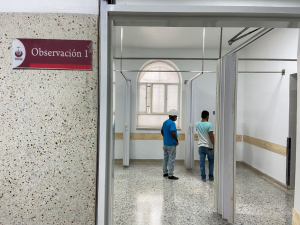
(167, 127)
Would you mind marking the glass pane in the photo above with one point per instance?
(158, 101)
(114, 73)
(142, 100)
(159, 76)
(148, 98)
(114, 97)
(172, 97)
(153, 121)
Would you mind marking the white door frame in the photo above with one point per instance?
(162, 15)
(104, 195)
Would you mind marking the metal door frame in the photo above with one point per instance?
(163, 15)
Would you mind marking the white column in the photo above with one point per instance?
(189, 134)
(225, 137)
(126, 133)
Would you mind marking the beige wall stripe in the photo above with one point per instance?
(279, 149)
(239, 138)
(119, 136)
(145, 136)
(195, 137)
(158, 136)
(151, 136)
(296, 218)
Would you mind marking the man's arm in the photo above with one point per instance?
(162, 133)
(212, 138)
(174, 136)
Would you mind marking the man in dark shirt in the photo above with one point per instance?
(169, 133)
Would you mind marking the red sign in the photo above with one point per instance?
(52, 54)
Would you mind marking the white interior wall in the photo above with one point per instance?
(240, 109)
(266, 98)
(205, 92)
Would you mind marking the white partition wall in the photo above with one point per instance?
(126, 133)
(189, 134)
(225, 139)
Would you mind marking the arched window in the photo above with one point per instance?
(159, 91)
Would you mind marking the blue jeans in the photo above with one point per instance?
(203, 151)
(169, 159)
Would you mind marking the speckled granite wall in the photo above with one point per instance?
(48, 121)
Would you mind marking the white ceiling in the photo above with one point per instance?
(177, 37)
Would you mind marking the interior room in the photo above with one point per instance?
(74, 153)
(266, 95)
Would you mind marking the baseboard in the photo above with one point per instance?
(118, 161)
(261, 174)
(268, 178)
(296, 217)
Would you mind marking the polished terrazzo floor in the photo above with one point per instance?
(143, 197)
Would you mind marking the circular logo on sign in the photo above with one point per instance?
(19, 53)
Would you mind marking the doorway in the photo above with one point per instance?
(182, 18)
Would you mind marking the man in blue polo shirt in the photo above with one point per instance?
(169, 133)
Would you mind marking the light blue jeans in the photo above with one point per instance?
(203, 151)
(169, 159)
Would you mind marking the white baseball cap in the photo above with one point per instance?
(173, 112)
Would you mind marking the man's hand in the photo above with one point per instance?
(176, 143)
(174, 137)
(212, 138)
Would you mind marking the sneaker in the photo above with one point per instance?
(165, 174)
(204, 180)
(211, 179)
(173, 178)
